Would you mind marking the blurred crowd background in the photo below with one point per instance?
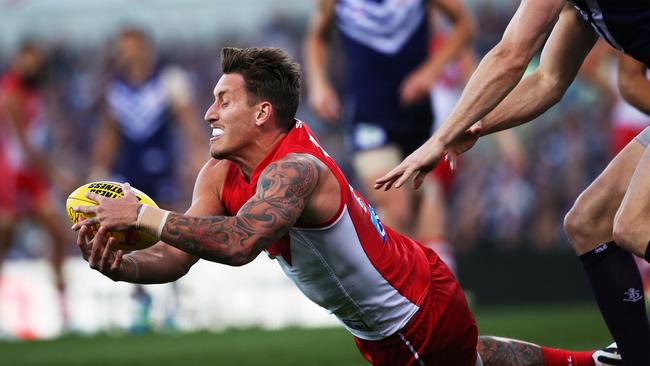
(511, 202)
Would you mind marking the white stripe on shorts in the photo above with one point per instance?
(413, 351)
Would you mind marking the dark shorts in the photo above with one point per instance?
(373, 135)
(378, 126)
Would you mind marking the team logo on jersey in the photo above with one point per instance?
(377, 223)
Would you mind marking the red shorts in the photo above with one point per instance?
(443, 174)
(22, 191)
(439, 335)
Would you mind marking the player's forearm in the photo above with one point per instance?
(153, 265)
(497, 74)
(459, 38)
(316, 61)
(104, 150)
(231, 240)
(534, 95)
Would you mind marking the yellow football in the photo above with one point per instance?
(126, 240)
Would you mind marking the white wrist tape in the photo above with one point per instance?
(151, 219)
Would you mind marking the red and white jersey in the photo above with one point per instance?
(372, 278)
(36, 128)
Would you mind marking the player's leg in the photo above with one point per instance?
(394, 206)
(497, 351)
(43, 209)
(590, 220)
(54, 227)
(431, 219)
(631, 230)
(613, 275)
(7, 222)
(7, 209)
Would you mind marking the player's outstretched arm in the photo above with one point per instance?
(161, 262)
(568, 45)
(497, 74)
(283, 190)
(633, 83)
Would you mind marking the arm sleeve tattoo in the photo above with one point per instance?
(283, 190)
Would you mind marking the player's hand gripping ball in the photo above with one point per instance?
(125, 240)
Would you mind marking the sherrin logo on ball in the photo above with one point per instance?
(125, 240)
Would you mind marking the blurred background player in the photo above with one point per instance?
(148, 133)
(25, 184)
(385, 106)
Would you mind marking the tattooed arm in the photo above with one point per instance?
(284, 190)
(162, 262)
(497, 351)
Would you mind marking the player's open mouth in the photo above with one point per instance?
(216, 133)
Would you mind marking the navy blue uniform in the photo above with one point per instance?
(146, 155)
(625, 24)
(384, 40)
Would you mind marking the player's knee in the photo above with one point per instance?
(629, 234)
(395, 210)
(575, 228)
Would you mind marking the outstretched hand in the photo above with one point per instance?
(416, 165)
(425, 159)
(465, 141)
(114, 214)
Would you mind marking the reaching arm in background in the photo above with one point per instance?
(633, 83)
(106, 143)
(418, 83)
(181, 95)
(322, 96)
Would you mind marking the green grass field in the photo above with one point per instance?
(577, 326)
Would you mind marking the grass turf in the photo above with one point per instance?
(576, 326)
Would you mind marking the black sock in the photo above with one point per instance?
(617, 286)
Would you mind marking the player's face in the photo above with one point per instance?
(30, 67)
(131, 51)
(231, 117)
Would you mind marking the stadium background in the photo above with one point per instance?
(506, 217)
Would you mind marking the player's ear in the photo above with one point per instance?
(263, 114)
